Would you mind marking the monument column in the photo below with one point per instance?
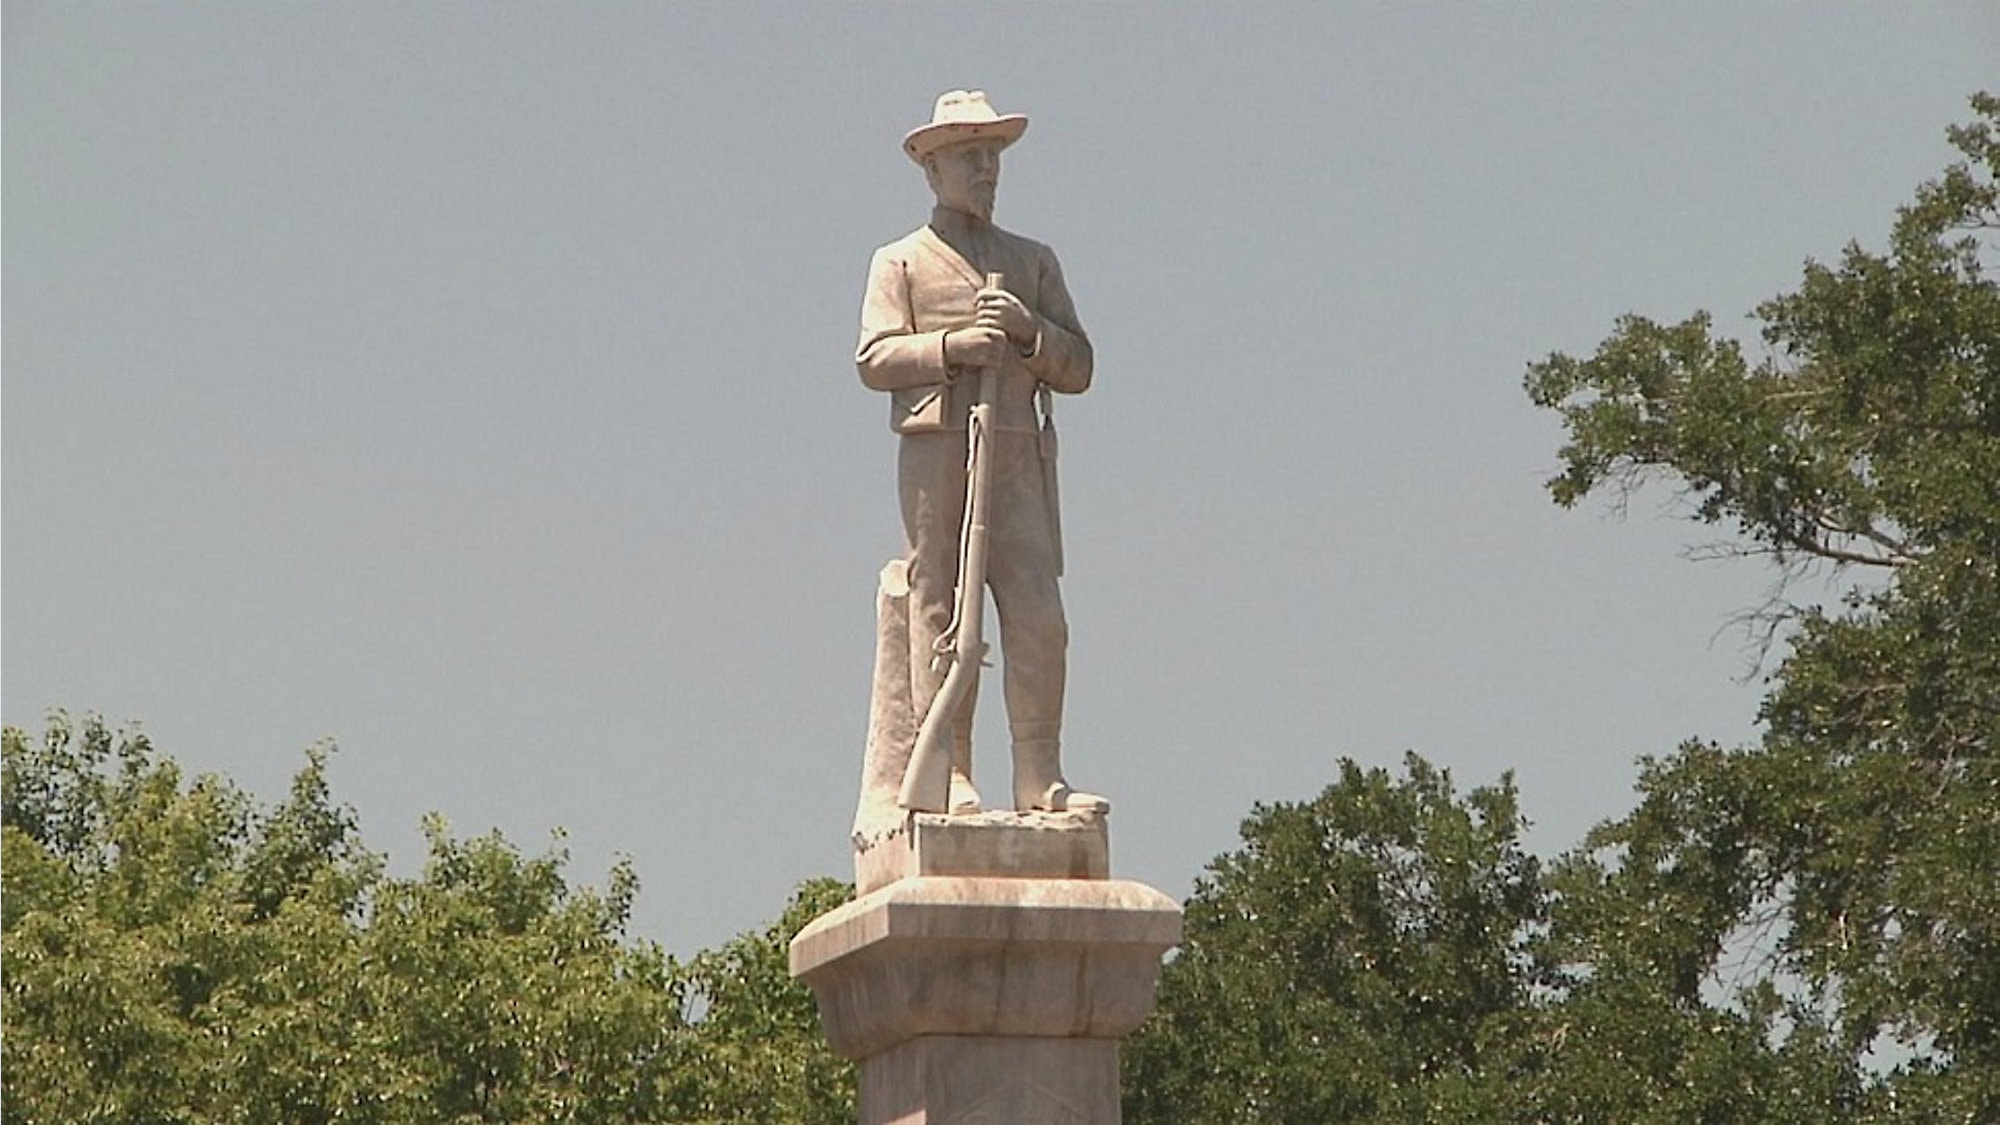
(988, 970)
(991, 964)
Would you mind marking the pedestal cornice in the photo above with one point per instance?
(964, 955)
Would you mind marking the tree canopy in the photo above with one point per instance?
(1847, 859)
(1806, 929)
(172, 952)
(1342, 964)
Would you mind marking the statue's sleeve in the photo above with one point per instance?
(1062, 357)
(893, 354)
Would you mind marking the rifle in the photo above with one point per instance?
(961, 649)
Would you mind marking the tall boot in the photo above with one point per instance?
(1039, 784)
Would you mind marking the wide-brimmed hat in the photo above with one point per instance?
(962, 115)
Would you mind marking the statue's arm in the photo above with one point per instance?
(892, 353)
(1062, 357)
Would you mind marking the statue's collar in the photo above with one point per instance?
(963, 240)
(957, 224)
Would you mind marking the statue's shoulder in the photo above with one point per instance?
(904, 248)
(1021, 243)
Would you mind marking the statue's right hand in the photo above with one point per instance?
(976, 346)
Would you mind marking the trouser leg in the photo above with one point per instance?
(931, 479)
(1034, 635)
(1022, 575)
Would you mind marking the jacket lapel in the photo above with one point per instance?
(949, 254)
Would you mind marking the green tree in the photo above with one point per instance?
(1802, 930)
(1342, 965)
(173, 953)
(1648, 1014)
(763, 1057)
(1388, 952)
(1844, 865)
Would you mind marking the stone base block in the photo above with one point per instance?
(988, 970)
(1053, 958)
(994, 844)
(977, 1080)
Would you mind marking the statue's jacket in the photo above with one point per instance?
(923, 285)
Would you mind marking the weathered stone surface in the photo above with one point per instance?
(973, 1080)
(970, 330)
(991, 964)
(989, 845)
(1056, 958)
(892, 719)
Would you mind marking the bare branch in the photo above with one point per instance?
(1899, 553)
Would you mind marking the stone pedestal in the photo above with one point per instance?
(1008, 845)
(970, 994)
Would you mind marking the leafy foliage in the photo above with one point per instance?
(174, 953)
(1800, 931)
(763, 1057)
(1848, 858)
(1345, 959)
(1867, 436)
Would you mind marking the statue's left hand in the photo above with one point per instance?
(1000, 309)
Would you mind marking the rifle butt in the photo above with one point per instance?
(927, 778)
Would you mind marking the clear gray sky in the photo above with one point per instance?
(472, 385)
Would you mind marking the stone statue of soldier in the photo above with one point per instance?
(929, 318)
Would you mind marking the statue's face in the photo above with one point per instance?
(965, 176)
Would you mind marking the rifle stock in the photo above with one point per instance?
(961, 648)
